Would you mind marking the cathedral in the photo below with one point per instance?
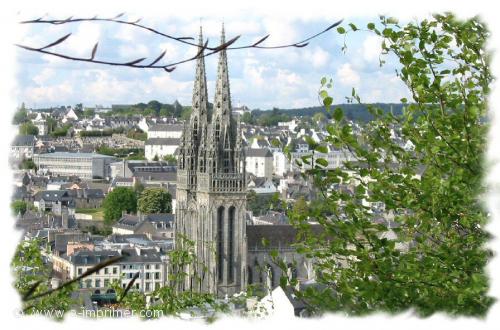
(211, 188)
(211, 200)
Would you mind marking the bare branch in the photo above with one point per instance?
(153, 65)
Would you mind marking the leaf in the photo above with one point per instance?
(338, 114)
(353, 27)
(118, 16)
(135, 61)
(322, 148)
(333, 25)
(94, 50)
(226, 44)
(340, 30)
(58, 41)
(261, 40)
(301, 45)
(321, 161)
(370, 26)
(158, 58)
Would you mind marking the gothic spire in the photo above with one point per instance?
(222, 102)
(200, 95)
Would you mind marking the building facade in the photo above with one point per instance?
(84, 165)
(211, 189)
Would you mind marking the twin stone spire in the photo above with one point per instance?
(211, 143)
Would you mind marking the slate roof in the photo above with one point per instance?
(143, 255)
(282, 236)
(23, 140)
(163, 141)
(167, 127)
(52, 195)
(86, 257)
(264, 152)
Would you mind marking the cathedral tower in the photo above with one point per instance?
(211, 188)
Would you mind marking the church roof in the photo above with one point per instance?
(274, 236)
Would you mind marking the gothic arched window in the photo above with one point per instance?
(230, 270)
(270, 272)
(220, 242)
(250, 275)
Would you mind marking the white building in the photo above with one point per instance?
(160, 147)
(259, 162)
(22, 147)
(147, 262)
(41, 124)
(165, 131)
(83, 165)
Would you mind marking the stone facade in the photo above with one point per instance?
(211, 188)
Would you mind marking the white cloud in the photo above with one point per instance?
(372, 48)
(347, 75)
(318, 57)
(44, 76)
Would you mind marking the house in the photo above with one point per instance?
(259, 162)
(48, 199)
(154, 226)
(261, 185)
(41, 124)
(164, 131)
(22, 147)
(160, 147)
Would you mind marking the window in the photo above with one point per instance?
(157, 266)
(157, 276)
(147, 266)
(220, 242)
(88, 283)
(230, 270)
(106, 283)
(115, 270)
(147, 276)
(106, 270)
(79, 270)
(97, 283)
(147, 286)
(250, 275)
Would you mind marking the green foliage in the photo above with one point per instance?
(120, 152)
(18, 207)
(119, 200)
(60, 131)
(28, 128)
(137, 134)
(433, 257)
(27, 164)
(170, 159)
(29, 269)
(261, 203)
(155, 200)
(20, 117)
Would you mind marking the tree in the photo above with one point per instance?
(27, 164)
(88, 113)
(119, 200)
(155, 200)
(432, 256)
(20, 116)
(19, 207)
(28, 128)
(32, 278)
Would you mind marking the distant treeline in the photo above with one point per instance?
(355, 112)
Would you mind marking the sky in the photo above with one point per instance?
(260, 79)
